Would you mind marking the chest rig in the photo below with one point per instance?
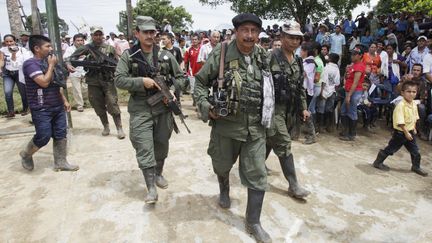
(230, 93)
(286, 85)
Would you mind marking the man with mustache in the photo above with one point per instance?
(238, 115)
(150, 126)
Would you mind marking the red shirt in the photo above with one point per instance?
(191, 57)
(349, 80)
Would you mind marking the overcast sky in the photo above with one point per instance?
(105, 13)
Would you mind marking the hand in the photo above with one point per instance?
(306, 115)
(348, 101)
(173, 95)
(415, 131)
(70, 68)
(212, 114)
(67, 106)
(52, 60)
(408, 136)
(150, 84)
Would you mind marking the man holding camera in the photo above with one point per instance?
(235, 113)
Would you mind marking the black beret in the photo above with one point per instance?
(246, 17)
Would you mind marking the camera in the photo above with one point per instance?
(219, 102)
(13, 48)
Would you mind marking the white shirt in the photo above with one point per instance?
(204, 52)
(331, 77)
(120, 46)
(427, 63)
(21, 55)
(79, 71)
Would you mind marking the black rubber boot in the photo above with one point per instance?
(288, 169)
(149, 177)
(60, 161)
(224, 187)
(345, 129)
(415, 160)
(253, 214)
(379, 161)
(353, 129)
(27, 155)
(329, 121)
(105, 123)
(118, 123)
(160, 180)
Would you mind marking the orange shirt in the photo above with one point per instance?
(372, 63)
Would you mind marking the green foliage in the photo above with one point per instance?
(291, 9)
(63, 26)
(178, 17)
(409, 6)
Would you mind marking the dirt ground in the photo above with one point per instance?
(104, 200)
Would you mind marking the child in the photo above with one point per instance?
(47, 105)
(405, 116)
(368, 109)
(330, 79)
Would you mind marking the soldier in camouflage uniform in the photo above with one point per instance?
(239, 133)
(150, 126)
(101, 90)
(290, 97)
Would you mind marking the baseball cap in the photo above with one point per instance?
(95, 29)
(422, 37)
(145, 23)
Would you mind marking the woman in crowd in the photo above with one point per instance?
(373, 63)
(12, 58)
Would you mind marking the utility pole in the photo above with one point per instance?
(15, 23)
(129, 18)
(54, 34)
(36, 26)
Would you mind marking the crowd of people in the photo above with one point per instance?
(258, 87)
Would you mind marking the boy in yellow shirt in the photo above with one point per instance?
(405, 116)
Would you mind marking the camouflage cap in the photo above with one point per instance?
(292, 28)
(95, 29)
(145, 23)
(25, 33)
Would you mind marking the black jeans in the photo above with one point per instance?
(398, 140)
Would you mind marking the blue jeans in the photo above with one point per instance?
(49, 122)
(351, 111)
(326, 105)
(9, 80)
(315, 99)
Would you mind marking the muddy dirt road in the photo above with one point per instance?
(103, 201)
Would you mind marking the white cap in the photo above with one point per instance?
(263, 35)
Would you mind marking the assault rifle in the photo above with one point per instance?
(165, 95)
(94, 64)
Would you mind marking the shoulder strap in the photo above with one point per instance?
(277, 53)
(300, 63)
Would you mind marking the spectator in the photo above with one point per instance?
(354, 78)
(207, 48)
(354, 40)
(373, 63)
(348, 27)
(322, 29)
(167, 44)
(366, 40)
(418, 53)
(309, 66)
(337, 41)
(368, 109)
(12, 58)
(121, 44)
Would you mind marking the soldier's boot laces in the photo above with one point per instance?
(118, 123)
(60, 161)
(160, 180)
(27, 155)
(149, 177)
(224, 187)
(253, 214)
(288, 169)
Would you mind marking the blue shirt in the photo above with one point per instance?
(38, 97)
(366, 40)
(319, 38)
(348, 26)
(336, 43)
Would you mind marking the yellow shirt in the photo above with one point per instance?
(405, 113)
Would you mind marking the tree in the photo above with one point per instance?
(15, 23)
(178, 17)
(63, 26)
(409, 6)
(299, 10)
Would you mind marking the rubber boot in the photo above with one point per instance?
(415, 160)
(224, 187)
(27, 155)
(329, 121)
(149, 177)
(288, 169)
(118, 123)
(311, 137)
(160, 180)
(60, 161)
(104, 120)
(379, 161)
(345, 134)
(352, 129)
(253, 214)
(318, 119)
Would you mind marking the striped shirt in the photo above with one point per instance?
(38, 97)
